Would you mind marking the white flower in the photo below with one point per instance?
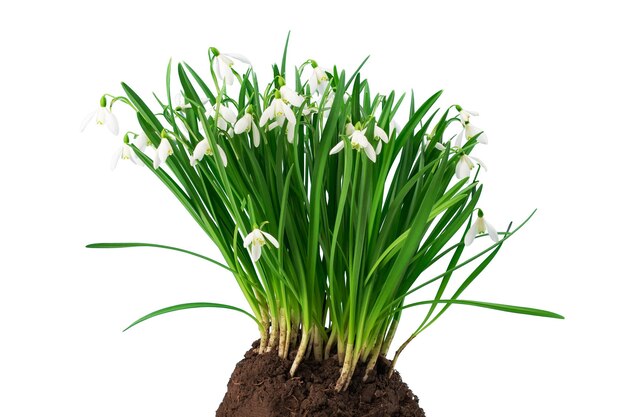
(291, 96)
(124, 152)
(256, 240)
(180, 102)
(224, 62)
(104, 116)
(310, 109)
(204, 148)
(162, 153)
(318, 80)
(226, 116)
(358, 142)
(438, 145)
(480, 226)
(141, 141)
(466, 164)
(469, 130)
(277, 110)
(245, 124)
(380, 136)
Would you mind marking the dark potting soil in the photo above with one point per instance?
(260, 386)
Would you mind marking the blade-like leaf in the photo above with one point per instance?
(529, 311)
(107, 245)
(188, 306)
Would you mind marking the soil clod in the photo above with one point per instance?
(260, 386)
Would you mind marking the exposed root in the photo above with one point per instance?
(304, 343)
(343, 381)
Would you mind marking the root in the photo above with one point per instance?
(274, 335)
(282, 348)
(304, 343)
(398, 352)
(344, 380)
(373, 359)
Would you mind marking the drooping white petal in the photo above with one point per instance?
(255, 252)
(156, 162)
(256, 135)
(267, 114)
(238, 57)
(338, 147)
(243, 124)
(380, 134)
(458, 139)
(471, 234)
(291, 96)
(163, 152)
(248, 239)
(370, 152)
(141, 141)
(274, 125)
(379, 147)
(87, 119)
(313, 83)
(291, 132)
(218, 68)
(289, 113)
(199, 151)
(462, 169)
(271, 239)
(228, 115)
(479, 162)
(110, 122)
(229, 77)
(220, 150)
(349, 129)
(117, 155)
(493, 233)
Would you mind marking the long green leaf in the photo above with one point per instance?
(107, 245)
(188, 306)
(501, 307)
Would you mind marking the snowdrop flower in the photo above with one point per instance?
(125, 152)
(224, 63)
(480, 226)
(204, 148)
(291, 96)
(318, 80)
(163, 152)
(142, 141)
(310, 109)
(358, 140)
(226, 116)
(104, 116)
(245, 124)
(180, 103)
(469, 130)
(256, 240)
(278, 110)
(466, 164)
(291, 129)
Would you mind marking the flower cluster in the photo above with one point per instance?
(326, 211)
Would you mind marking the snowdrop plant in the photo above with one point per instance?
(334, 221)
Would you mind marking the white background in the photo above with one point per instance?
(549, 81)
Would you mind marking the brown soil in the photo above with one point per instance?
(260, 386)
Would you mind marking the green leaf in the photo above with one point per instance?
(188, 306)
(493, 306)
(154, 245)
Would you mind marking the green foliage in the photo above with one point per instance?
(355, 238)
